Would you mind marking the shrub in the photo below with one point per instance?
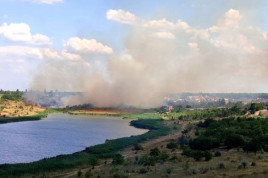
(163, 156)
(221, 165)
(172, 145)
(155, 152)
(146, 160)
(142, 171)
(192, 171)
(88, 174)
(138, 147)
(118, 159)
(93, 162)
(244, 163)
(173, 158)
(169, 170)
(183, 140)
(79, 173)
(119, 176)
(197, 154)
(234, 140)
(253, 164)
(207, 155)
(204, 170)
(204, 143)
(217, 153)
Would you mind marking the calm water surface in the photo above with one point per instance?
(58, 134)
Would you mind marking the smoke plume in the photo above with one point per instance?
(160, 57)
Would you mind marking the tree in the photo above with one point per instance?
(137, 147)
(255, 107)
(93, 162)
(172, 145)
(234, 140)
(118, 159)
(178, 109)
(155, 152)
(204, 143)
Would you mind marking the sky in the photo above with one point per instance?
(44, 41)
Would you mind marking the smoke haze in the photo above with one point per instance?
(160, 57)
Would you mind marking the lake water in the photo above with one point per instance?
(58, 134)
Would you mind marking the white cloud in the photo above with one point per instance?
(87, 46)
(164, 35)
(121, 16)
(21, 32)
(162, 23)
(58, 55)
(230, 21)
(21, 51)
(44, 1)
(16, 31)
(193, 46)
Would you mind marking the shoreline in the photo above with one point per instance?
(101, 151)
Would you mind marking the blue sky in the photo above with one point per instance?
(60, 21)
(86, 18)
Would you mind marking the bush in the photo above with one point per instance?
(137, 147)
(217, 153)
(221, 165)
(155, 152)
(172, 145)
(234, 140)
(79, 173)
(93, 161)
(204, 143)
(169, 170)
(118, 159)
(142, 171)
(183, 140)
(146, 161)
(192, 171)
(253, 164)
(163, 156)
(197, 154)
(207, 155)
(173, 158)
(88, 174)
(244, 163)
(204, 170)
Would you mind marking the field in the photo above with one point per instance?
(212, 142)
(18, 108)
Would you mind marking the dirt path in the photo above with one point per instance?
(128, 152)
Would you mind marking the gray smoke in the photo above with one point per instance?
(160, 58)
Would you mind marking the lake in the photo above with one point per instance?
(57, 134)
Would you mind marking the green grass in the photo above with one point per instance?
(4, 120)
(106, 150)
(124, 116)
(38, 116)
(142, 116)
(206, 113)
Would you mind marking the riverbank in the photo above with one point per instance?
(102, 151)
(35, 117)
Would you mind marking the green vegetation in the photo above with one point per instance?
(186, 114)
(12, 95)
(247, 133)
(256, 107)
(40, 115)
(110, 148)
(4, 120)
(142, 116)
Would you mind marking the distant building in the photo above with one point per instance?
(170, 108)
